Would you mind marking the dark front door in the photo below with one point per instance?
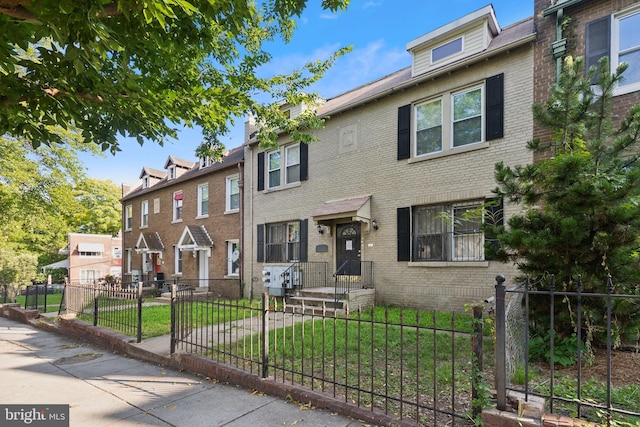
(348, 244)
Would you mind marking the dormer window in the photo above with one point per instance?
(145, 181)
(445, 50)
(172, 172)
(205, 162)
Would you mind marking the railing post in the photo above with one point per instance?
(139, 332)
(476, 344)
(265, 335)
(500, 370)
(174, 300)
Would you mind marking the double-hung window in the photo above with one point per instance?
(144, 214)
(453, 120)
(616, 37)
(203, 200)
(177, 206)
(292, 155)
(429, 127)
(466, 117)
(284, 167)
(451, 232)
(128, 217)
(282, 242)
(274, 168)
(233, 194)
(626, 38)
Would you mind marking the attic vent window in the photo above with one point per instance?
(447, 49)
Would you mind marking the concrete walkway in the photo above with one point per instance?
(105, 389)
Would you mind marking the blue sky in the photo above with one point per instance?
(378, 30)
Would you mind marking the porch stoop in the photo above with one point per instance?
(319, 300)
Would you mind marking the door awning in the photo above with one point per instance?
(91, 247)
(150, 243)
(195, 238)
(356, 208)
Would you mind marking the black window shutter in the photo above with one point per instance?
(494, 216)
(260, 254)
(404, 132)
(494, 107)
(304, 162)
(598, 40)
(261, 171)
(404, 234)
(304, 240)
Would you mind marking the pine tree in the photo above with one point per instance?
(581, 202)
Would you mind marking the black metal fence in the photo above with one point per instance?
(566, 391)
(352, 275)
(306, 275)
(108, 305)
(41, 297)
(414, 365)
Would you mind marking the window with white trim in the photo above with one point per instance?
(145, 181)
(448, 232)
(233, 258)
(626, 47)
(288, 158)
(177, 206)
(292, 159)
(172, 172)
(233, 194)
(128, 217)
(144, 214)
(282, 242)
(178, 260)
(89, 276)
(129, 260)
(274, 165)
(203, 200)
(466, 117)
(463, 113)
(447, 49)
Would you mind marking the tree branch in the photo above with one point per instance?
(16, 9)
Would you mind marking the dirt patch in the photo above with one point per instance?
(78, 358)
(625, 368)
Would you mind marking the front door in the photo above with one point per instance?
(203, 269)
(348, 245)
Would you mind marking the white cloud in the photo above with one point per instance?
(369, 4)
(328, 16)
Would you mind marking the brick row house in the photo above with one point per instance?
(183, 222)
(399, 180)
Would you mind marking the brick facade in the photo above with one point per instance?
(221, 225)
(577, 16)
(365, 164)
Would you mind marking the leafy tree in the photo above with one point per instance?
(142, 68)
(582, 200)
(44, 195)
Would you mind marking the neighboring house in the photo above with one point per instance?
(401, 169)
(590, 29)
(92, 257)
(184, 223)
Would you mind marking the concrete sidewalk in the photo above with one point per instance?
(105, 389)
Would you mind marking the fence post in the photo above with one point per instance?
(476, 344)
(174, 298)
(500, 373)
(265, 335)
(139, 334)
(96, 294)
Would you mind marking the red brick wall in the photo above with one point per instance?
(544, 63)
(220, 226)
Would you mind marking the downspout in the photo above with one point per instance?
(241, 190)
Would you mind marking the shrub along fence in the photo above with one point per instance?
(566, 392)
(417, 366)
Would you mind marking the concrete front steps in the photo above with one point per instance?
(322, 300)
